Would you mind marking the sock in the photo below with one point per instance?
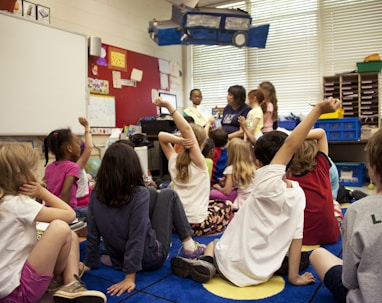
(189, 245)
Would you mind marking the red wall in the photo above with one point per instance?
(132, 103)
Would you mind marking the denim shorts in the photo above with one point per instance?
(333, 281)
(32, 286)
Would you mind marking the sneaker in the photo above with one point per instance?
(77, 224)
(77, 292)
(54, 285)
(199, 270)
(196, 253)
(357, 194)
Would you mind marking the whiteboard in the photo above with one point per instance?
(43, 77)
(101, 111)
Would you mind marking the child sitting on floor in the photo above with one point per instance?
(220, 138)
(29, 267)
(357, 277)
(189, 173)
(134, 222)
(61, 176)
(270, 223)
(310, 168)
(84, 188)
(238, 175)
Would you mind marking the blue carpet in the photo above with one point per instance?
(162, 286)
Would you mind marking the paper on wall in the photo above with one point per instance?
(164, 66)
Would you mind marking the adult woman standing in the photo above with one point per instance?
(235, 108)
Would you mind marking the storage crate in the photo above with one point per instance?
(288, 124)
(367, 67)
(351, 174)
(344, 129)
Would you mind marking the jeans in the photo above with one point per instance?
(166, 211)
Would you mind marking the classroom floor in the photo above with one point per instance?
(162, 286)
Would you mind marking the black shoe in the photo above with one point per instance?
(357, 194)
(198, 270)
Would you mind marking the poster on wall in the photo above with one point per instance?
(98, 86)
(117, 59)
(43, 13)
(101, 111)
(18, 9)
(29, 10)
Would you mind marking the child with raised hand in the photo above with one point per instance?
(357, 277)
(253, 123)
(238, 175)
(84, 189)
(61, 176)
(270, 223)
(134, 222)
(310, 168)
(27, 266)
(189, 173)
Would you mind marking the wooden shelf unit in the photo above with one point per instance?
(360, 95)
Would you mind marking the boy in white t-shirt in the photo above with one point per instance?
(270, 223)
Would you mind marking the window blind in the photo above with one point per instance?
(307, 40)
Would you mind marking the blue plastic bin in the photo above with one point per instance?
(342, 129)
(351, 174)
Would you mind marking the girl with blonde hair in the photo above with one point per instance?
(28, 267)
(239, 173)
(189, 173)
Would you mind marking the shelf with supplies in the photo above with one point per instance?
(360, 95)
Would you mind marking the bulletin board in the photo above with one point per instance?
(101, 111)
(131, 102)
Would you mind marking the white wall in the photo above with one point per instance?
(122, 23)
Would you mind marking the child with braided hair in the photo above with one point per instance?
(61, 176)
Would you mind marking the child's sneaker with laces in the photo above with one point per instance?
(196, 253)
(54, 285)
(77, 292)
(199, 270)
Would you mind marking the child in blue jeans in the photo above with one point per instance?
(135, 222)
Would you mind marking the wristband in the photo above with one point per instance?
(173, 112)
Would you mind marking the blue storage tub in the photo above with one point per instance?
(351, 173)
(288, 124)
(342, 129)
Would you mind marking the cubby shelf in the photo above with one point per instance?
(360, 95)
